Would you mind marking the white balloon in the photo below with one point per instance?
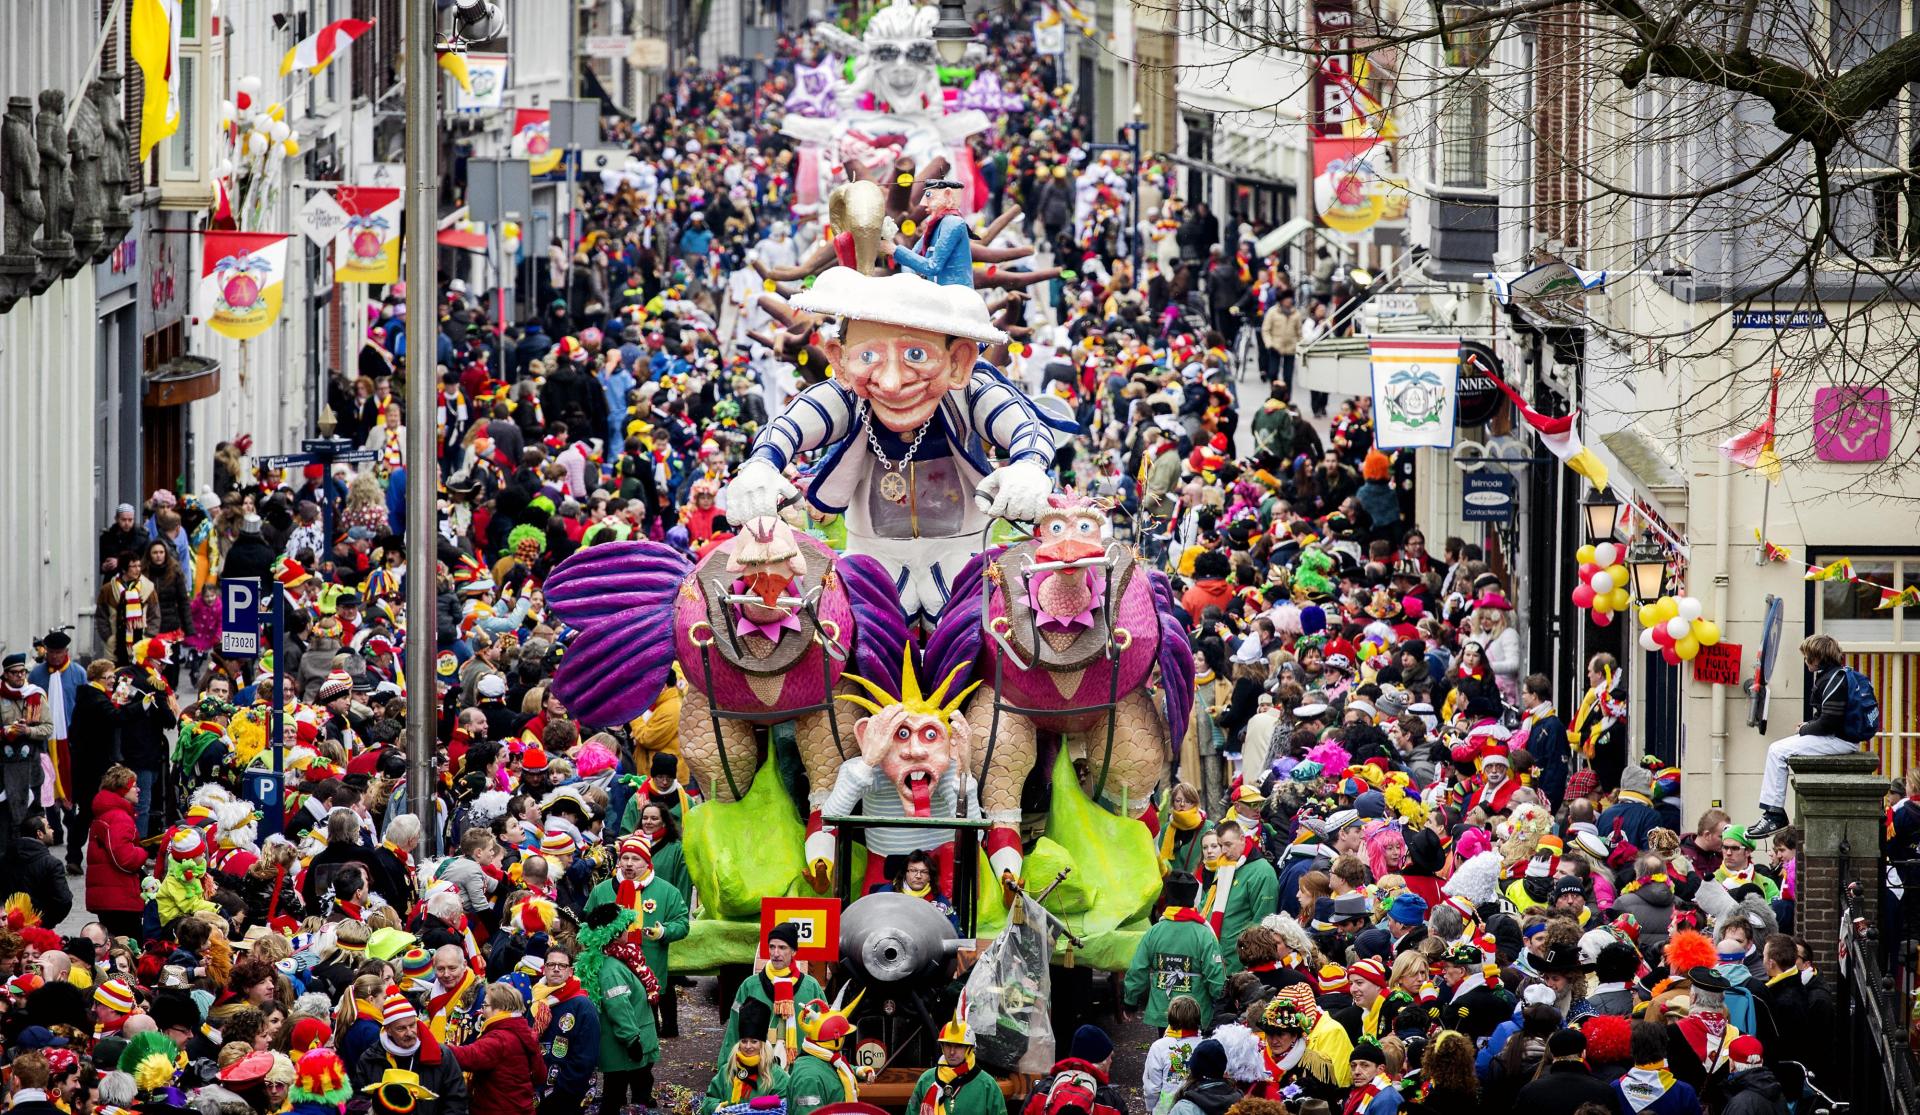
(1602, 583)
(248, 84)
(257, 143)
(226, 110)
(223, 168)
(1646, 639)
(261, 123)
(1679, 628)
(1690, 608)
(279, 131)
(1605, 554)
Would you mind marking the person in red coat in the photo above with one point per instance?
(504, 1061)
(115, 859)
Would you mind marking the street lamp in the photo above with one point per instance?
(1647, 568)
(952, 34)
(1601, 511)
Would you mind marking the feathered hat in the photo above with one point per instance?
(320, 1077)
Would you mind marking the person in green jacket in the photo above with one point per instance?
(662, 830)
(613, 971)
(747, 1069)
(820, 1075)
(662, 916)
(1180, 835)
(1178, 955)
(1244, 890)
(957, 1085)
(782, 987)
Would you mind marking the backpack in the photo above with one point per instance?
(1862, 720)
(1739, 1008)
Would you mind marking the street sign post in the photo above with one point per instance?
(239, 617)
(326, 451)
(264, 787)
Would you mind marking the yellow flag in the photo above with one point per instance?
(455, 63)
(153, 39)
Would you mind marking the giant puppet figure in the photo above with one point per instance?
(903, 422)
(895, 64)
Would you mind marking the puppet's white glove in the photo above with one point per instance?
(1017, 491)
(757, 490)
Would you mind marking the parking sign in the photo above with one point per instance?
(240, 617)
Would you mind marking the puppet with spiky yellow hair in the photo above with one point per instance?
(914, 755)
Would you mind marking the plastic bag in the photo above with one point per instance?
(1007, 994)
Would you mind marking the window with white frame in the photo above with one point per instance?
(1464, 135)
(1874, 205)
(1850, 610)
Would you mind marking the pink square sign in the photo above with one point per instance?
(1852, 424)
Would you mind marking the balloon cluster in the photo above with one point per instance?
(257, 130)
(510, 238)
(1603, 581)
(1674, 627)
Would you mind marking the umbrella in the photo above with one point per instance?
(1756, 686)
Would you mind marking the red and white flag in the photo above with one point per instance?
(1559, 435)
(314, 52)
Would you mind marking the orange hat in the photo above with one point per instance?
(1377, 466)
(534, 758)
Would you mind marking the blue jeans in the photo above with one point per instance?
(146, 780)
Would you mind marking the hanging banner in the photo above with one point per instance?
(1416, 381)
(242, 278)
(532, 140)
(816, 89)
(486, 85)
(1049, 32)
(1349, 188)
(368, 247)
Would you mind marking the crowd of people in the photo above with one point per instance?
(1396, 875)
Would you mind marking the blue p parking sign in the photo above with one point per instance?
(240, 617)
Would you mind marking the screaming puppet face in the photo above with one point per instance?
(919, 749)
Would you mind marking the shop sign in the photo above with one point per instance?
(1486, 496)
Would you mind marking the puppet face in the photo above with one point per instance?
(767, 557)
(903, 373)
(919, 751)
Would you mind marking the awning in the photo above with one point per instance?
(457, 238)
(1237, 175)
(1280, 238)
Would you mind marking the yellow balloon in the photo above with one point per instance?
(1649, 614)
(1686, 648)
(293, 147)
(1584, 555)
(1619, 573)
(1603, 605)
(510, 228)
(1669, 608)
(1619, 599)
(1706, 632)
(278, 112)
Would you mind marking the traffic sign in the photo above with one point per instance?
(240, 617)
(817, 921)
(350, 457)
(263, 789)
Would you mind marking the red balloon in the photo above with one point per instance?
(1582, 596)
(1587, 571)
(1671, 656)
(1604, 619)
(1660, 635)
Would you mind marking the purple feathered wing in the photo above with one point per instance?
(958, 635)
(1175, 656)
(880, 636)
(610, 593)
